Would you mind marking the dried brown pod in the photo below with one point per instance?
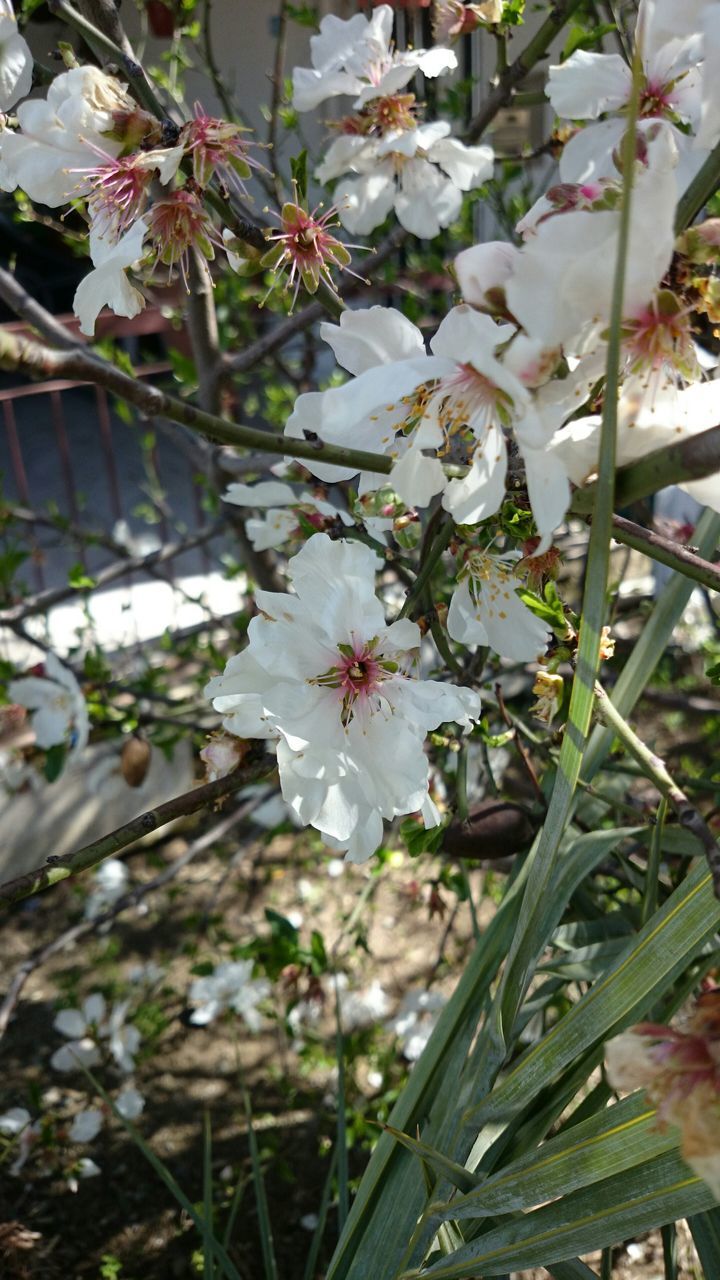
(494, 829)
(135, 761)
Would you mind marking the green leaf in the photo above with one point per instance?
(705, 1228)
(581, 38)
(459, 1176)
(644, 971)
(646, 1196)
(299, 172)
(80, 579)
(266, 1237)
(421, 839)
(54, 761)
(615, 1139)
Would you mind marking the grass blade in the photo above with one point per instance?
(208, 1257)
(266, 1239)
(312, 1257)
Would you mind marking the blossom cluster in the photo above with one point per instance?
(505, 402)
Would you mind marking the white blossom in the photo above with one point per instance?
(91, 1023)
(59, 710)
(414, 1021)
(325, 677)
(86, 1125)
(107, 284)
(16, 60)
(230, 986)
(486, 610)
(589, 85)
(421, 173)
(57, 135)
(111, 879)
(355, 57)
(17, 1123)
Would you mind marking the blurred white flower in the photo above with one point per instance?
(111, 880)
(231, 986)
(130, 1103)
(16, 60)
(86, 1125)
(362, 1008)
(414, 1021)
(59, 710)
(85, 1026)
(17, 1123)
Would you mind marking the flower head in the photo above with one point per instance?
(119, 186)
(176, 225)
(216, 144)
(305, 247)
(333, 685)
(230, 986)
(486, 609)
(59, 710)
(679, 1069)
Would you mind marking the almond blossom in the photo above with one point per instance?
(458, 403)
(59, 709)
(230, 986)
(485, 608)
(589, 85)
(61, 134)
(286, 511)
(91, 1023)
(679, 1069)
(354, 56)
(107, 284)
(16, 60)
(334, 686)
(420, 172)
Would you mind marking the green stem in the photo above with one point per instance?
(650, 898)
(655, 769)
(520, 966)
(703, 186)
(437, 536)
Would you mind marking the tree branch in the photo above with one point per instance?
(70, 864)
(38, 362)
(691, 459)
(664, 550)
(514, 75)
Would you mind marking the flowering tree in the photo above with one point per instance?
(405, 546)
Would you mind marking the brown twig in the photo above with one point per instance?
(520, 746)
(70, 864)
(666, 551)
(130, 899)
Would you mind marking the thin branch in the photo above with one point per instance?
(38, 362)
(45, 600)
(665, 551)
(277, 92)
(29, 309)
(518, 70)
(70, 864)
(654, 768)
(122, 904)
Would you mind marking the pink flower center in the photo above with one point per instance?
(357, 674)
(654, 101)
